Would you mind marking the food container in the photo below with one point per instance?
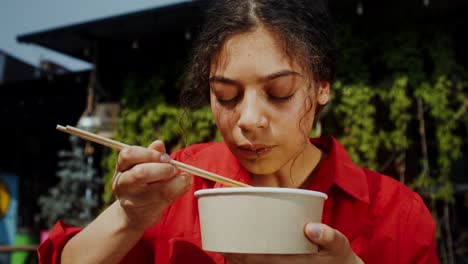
(258, 220)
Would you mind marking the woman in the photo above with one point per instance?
(266, 68)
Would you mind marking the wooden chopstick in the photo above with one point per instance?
(181, 166)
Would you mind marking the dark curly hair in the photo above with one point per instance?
(303, 28)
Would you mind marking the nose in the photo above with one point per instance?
(252, 114)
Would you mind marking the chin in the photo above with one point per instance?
(258, 167)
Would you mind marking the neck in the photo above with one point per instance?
(295, 172)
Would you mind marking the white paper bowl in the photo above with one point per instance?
(258, 220)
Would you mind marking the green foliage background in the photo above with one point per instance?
(396, 94)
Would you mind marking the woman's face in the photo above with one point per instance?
(262, 102)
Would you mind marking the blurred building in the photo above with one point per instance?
(13, 69)
(33, 99)
(125, 44)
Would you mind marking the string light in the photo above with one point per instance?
(135, 44)
(187, 35)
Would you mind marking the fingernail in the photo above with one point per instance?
(165, 158)
(314, 230)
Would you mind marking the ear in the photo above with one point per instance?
(323, 92)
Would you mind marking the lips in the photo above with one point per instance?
(254, 151)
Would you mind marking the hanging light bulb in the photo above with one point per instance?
(426, 3)
(89, 123)
(135, 45)
(187, 35)
(360, 8)
(88, 120)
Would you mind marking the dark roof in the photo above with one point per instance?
(76, 40)
(13, 69)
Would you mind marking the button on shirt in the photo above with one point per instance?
(384, 221)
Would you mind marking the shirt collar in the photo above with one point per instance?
(219, 159)
(338, 169)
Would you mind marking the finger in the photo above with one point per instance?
(327, 238)
(130, 156)
(158, 145)
(173, 188)
(142, 175)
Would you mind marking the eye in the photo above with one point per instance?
(282, 98)
(227, 101)
(224, 93)
(282, 89)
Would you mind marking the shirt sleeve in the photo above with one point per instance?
(50, 250)
(420, 232)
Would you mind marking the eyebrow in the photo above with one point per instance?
(278, 75)
(223, 79)
(267, 78)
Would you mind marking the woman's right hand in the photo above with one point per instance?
(146, 184)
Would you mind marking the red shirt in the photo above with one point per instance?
(384, 220)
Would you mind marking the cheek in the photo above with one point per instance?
(214, 109)
(224, 119)
(308, 117)
(217, 116)
(300, 118)
(309, 112)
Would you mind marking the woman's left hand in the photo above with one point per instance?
(333, 247)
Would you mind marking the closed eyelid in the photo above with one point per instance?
(224, 91)
(218, 87)
(283, 87)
